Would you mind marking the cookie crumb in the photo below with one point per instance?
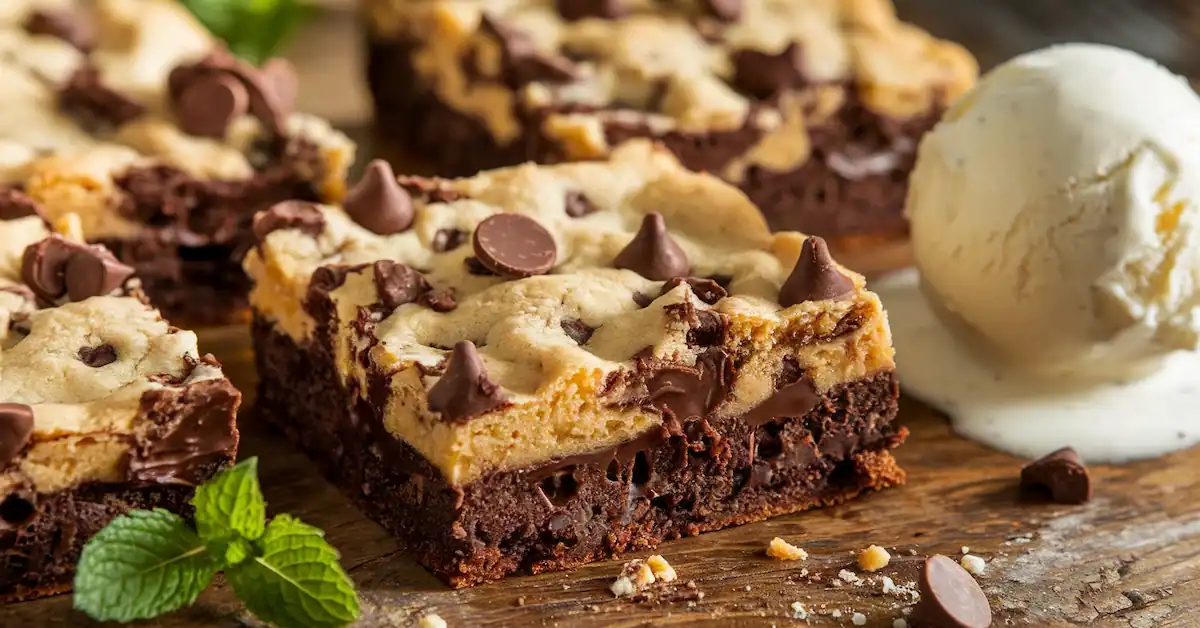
(836, 614)
(889, 585)
(899, 623)
(848, 576)
(622, 586)
(858, 619)
(521, 601)
(747, 587)
(973, 564)
(873, 558)
(432, 620)
(662, 570)
(780, 549)
(965, 550)
(798, 611)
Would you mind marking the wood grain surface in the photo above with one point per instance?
(1130, 558)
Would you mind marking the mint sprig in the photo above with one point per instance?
(146, 563)
(252, 29)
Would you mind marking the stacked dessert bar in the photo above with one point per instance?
(541, 366)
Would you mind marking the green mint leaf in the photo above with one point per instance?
(143, 564)
(231, 504)
(295, 581)
(252, 29)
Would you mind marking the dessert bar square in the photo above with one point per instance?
(104, 407)
(812, 107)
(542, 366)
(190, 141)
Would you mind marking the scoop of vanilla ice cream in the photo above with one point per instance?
(1055, 213)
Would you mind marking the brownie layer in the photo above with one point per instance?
(669, 483)
(833, 194)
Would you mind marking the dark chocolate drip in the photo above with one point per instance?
(193, 429)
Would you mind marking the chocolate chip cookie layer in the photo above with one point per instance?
(104, 407)
(129, 115)
(513, 385)
(812, 107)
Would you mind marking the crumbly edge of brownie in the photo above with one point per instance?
(574, 511)
(813, 198)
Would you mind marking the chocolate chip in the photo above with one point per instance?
(448, 239)
(577, 330)
(523, 63)
(1062, 474)
(439, 300)
(398, 284)
(475, 267)
(465, 390)
(514, 245)
(687, 391)
(14, 205)
(725, 10)
(706, 290)
(378, 203)
(652, 253)
(577, 205)
(815, 277)
(210, 103)
(270, 91)
(301, 215)
(65, 24)
(54, 267)
(16, 426)
(950, 597)
(572, 10)
(763, 75)
(98, 356)
(97, 106)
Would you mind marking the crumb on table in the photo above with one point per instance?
(780, 549)
(873, 558)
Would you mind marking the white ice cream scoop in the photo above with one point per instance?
(1055, 217)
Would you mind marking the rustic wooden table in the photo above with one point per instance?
(1130, 558)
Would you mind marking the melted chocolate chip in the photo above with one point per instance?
(208, 105)
(577, 330)
(98, 356)
(514, 245)
(65, 24)
(54, 267)
(16, 427)
(725, 10)
(95, 105)
(465, 390)
(476, 267)
(706, 290)
(1061, 474)
(439, 300)
(691, 391)
(191, 431)
(324, 280)
(302, 215)
(572, 10)
(653, 253)
(523, 63)
(448, 240)
(378, 203)
(815, 278)
(398, 284)
(14, 204)
(762, 75)
(577, 205)
(793, 399)
(950, 596)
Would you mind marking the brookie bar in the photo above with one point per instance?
(542, 366)
(104, 407)
(812, 107)
(162, 143)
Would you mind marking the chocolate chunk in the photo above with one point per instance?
(706, 290)
(577, 330)
(14, 205)
(708, 329)
(1062, 474)
(54, 267)
(514, 245)
(794, 399)
(270, 92)
(652, 253)
(65, 24)
(763, 75)
(301, 215)
(98, 356)
(448, 239)
(398, 284)
(210, 103)
(439, 300)
(577, 205)
(692, 391)
(16, 426)
(815, 277)
(192, 432)
(465, 390)
(572, 10)
(86, 97)
(725, 10)
(378, 203)
(523, 63)
(950, 597)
